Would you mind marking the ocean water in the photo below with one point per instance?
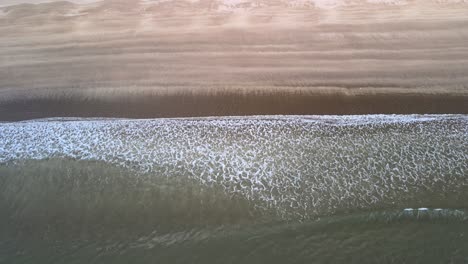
(261, 189)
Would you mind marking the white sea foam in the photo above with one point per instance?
(305, 163)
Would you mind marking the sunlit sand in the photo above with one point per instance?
(114, 53)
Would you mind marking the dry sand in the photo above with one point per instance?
(196, 58)
(5, 3)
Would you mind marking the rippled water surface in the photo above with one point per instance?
(311, 189)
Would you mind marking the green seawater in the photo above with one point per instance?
(284, 192)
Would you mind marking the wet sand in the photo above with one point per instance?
(233, 104)
(185, 58)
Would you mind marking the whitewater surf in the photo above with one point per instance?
(261, 189)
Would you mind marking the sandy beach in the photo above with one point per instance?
(205, 58)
